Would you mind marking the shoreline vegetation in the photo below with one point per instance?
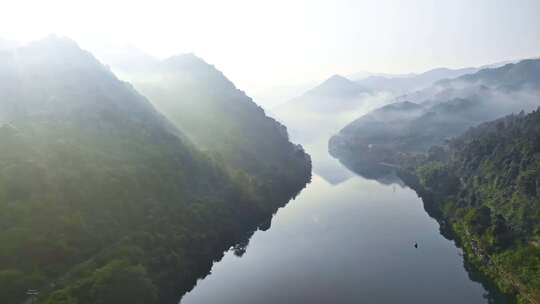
(478, 174)
(483, 189)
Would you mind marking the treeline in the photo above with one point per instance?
(484, 188)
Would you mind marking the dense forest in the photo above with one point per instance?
(102, 198)
(484, 189)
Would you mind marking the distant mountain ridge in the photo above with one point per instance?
(339, 93)
(313, 117)
(410, 83)
(336, 93)
(444, 110)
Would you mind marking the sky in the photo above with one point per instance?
(260, 45)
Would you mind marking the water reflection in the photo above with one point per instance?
(345, 242)
(325, 166)
(381, 173)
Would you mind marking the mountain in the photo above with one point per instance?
(102, 198)
(329, 106)
(320, 112)
(483, 189)
(224, 121)
(312, 118)
(335, 94)
(337, 101)
(413, 82)
(512, 76)
(446, 109)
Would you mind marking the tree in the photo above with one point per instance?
(121, 282)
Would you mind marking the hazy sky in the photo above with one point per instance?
(259, 44)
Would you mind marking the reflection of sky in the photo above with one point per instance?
(333, 172)
(326, 166)
(345, 243)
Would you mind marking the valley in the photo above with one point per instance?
(264, 152)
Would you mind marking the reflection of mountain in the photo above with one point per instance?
(313, 117)
(379, 172)
(326, 166)
(321, 112)
(336, 172)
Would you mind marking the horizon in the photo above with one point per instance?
(258, 95)
(263, 46)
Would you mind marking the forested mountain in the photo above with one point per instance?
(338, 100)
(102, 199)
(484, 188)
(224, 121)
(440, 112)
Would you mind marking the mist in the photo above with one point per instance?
(305, 151)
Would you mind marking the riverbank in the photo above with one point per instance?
(491, 265)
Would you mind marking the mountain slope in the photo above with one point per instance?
(483, 187)
(103, 200)
(329, 106)
(224, 121)
(445, 110)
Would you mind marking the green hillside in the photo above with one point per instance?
(484, 187)
(101, 197)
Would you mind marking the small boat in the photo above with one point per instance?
(415, 245)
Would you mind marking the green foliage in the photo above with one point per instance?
(223, 120)
(494, 208)
(435, 176)
(523, 263)
(61, 297)
(13, 284)
(101, 199)
(119, 282)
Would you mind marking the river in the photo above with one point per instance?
(344, 239)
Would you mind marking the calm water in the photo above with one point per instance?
(345, 240)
